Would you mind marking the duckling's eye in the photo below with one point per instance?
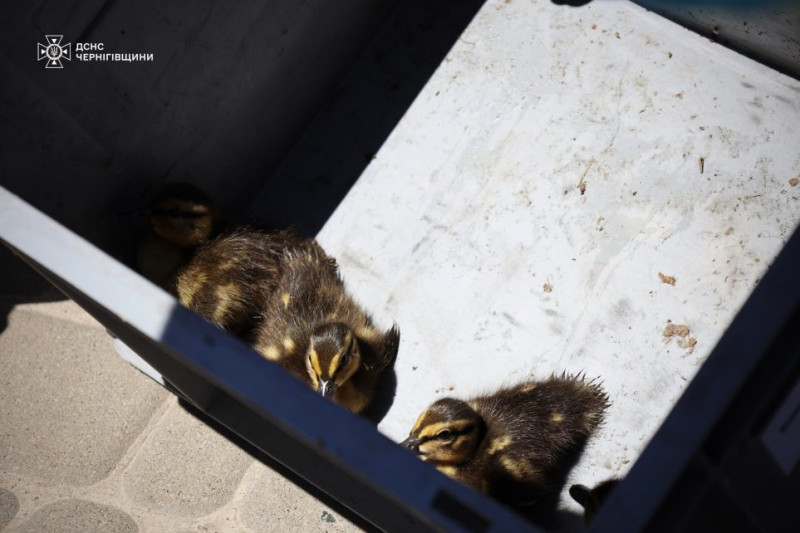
(344, 359)
(445, 434)
(176, 212)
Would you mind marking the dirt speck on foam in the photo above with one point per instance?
(682, 332)
(669, 280)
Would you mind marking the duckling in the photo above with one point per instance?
(513, 445)
(315, 329)
(592, 499)
(283, 294)
(181, 217)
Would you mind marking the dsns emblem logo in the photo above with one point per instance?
(54, 51)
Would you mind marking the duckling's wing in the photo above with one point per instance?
(387, 351)
(581, 494)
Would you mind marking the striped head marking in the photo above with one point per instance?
(333, 357)
(182, 217)
(447, 433)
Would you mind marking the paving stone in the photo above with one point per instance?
(61, 310)
(9, 505)
(70, 406)
(274, 504)
(78, 516)
(185, 467)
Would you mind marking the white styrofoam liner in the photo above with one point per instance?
(472, 205)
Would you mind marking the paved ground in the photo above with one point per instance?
(88, 443)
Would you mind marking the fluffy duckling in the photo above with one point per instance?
(592, 499)
(284, 295)
(181, 217)
(315, 329)
(515, 444)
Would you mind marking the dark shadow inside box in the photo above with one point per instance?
(270, 115)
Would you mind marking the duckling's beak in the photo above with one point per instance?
(327, 389)
(411, 443)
